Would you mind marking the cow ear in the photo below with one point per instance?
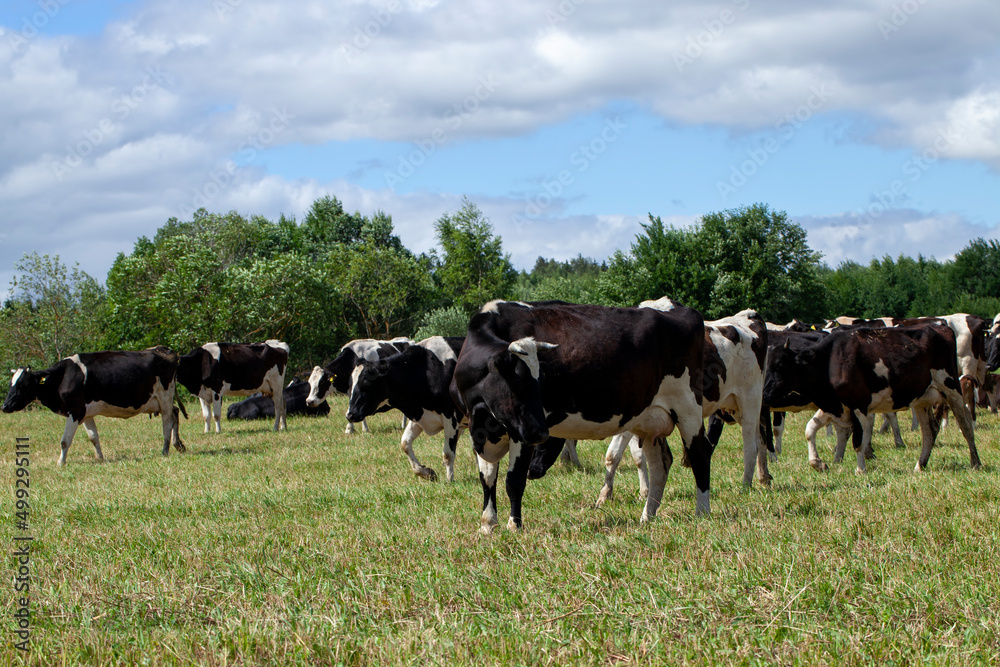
(382, 368)
(805, 357)
(787, 344)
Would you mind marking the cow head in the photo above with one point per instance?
(24, 385)
(786, 377)
(512, 391)
(320, 382)
(370, 391)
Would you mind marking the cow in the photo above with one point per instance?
(735, 348)
(262, 407)
(416, 382)
(528, 372)
(214, 370)
(118, 384)
(337, 375)
(851, 374)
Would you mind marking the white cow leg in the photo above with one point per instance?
(927, 435)
(654, 455)
(206, 413)
(364, 426)
(488, 478)
(635, 447)
(611, 460)
(817, 422)
(217, 405)
(413, 430)
(350, 428)
(67, 438)
(569, 454)
(91, 429)
(280, 420)
(867, 425)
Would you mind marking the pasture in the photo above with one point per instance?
(315, 547)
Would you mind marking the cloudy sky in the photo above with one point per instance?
(874, 124)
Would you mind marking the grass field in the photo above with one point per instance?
(315, 547)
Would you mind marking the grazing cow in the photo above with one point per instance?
(416, 382)
(853, 373)
(338, 374)
(215, 370)
(262, 407)
(735, 348)
(531, 371)
(109, 384)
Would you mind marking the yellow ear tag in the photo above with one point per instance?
(42, 380)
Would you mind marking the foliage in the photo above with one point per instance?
(53, 312)
(474, 268)
(448, 321)
(574, 280)
(742, 258)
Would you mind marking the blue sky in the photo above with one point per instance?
(875, 125)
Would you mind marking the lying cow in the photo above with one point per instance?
(214, 370)
(416, 382)
(531, 371)
(733, 381)
(852, 374)
(262, 407)
(338, 375)
(102, 384)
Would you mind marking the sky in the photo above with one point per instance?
(874, 124)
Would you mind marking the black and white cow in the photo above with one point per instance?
(735, 350)
(416, 382)
(102, 384)
(852, 374)
(531, 371)
(338, 375)
(262, 407)
(214, 370)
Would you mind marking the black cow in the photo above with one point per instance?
(993, 347)
(215, 370)
(854, 373)
(530, 371)
(109, 384)
(338, 375)
(262, 407)
(416, 382)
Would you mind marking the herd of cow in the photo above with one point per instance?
(530, 379)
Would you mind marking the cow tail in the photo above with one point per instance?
(180, 404)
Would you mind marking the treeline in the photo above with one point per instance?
(338, 275)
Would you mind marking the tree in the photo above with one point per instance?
(53, 312)
(474, 268)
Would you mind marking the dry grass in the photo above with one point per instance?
(315, 547)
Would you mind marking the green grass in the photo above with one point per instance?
(315, 547)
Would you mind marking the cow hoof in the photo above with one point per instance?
(180, 447)
(918, 467)
(869, 455)
(604, 496)
(819, 466)
(977, 466)
(772, 457)
(859, 471)
(428, 474)
(513, 526)
(766, 480)
(487, 528)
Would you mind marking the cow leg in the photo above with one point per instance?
(488, 478)
(654, 453)
(777, 430)
(818, 421)
(364, 426)
(969, 396)
(206, 412)
(91, 428)
(217, 405)
(754, 449)
(893, 422)
(928, 433)
(569, 455)
(635, 448)
(67, 438)
(350, 427)
(843, 433)
(867, 423)
(611, 460)
(914, 421)
(965, 423)
(175, 430)
(280, 420)
(451, 432)
(413, 429)
(519, 459)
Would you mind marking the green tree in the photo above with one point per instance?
(53, 312)
(474, 268)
